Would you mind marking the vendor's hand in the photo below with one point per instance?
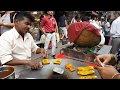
(44, 53)
(107, 71)
(104, 58)
(34, 64)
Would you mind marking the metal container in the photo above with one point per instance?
(78, 55)
(87, 39)
(84, 34)
(7, 72)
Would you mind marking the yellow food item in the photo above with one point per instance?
(81, 68)
(72, 68)
(45, 61)
(86, 72)
(68, 65)
(90, 68)
(85, 68)
(88, 77)
(57, 61)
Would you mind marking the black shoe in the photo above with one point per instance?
(53, 56)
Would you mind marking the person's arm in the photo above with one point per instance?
(32, 64)
(42, 24)
(56, 28)
(7, 24)
(14, 62)
(36, 49)
(106, 58)
(6, 54)
(42, 51)
(116, 76)
(66, 24)
(108, 72)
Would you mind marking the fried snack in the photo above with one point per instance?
(88, 77)
(72, 68)
(85, 68)
(90, 68)
(45, 61)
(57, 61)
(68, 65)
(86, 72)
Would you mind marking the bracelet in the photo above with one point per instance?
(115, 75)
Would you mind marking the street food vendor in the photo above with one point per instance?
(17, 45)
(109, 71)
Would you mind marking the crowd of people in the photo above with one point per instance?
(17, 44)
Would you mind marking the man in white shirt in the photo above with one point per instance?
(115, 33)
(101, 33)
(17, 45)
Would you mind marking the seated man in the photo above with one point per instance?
(17, 45)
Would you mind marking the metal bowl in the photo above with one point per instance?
(7, 72)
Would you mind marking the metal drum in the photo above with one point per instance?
(87, 39)
(84, 34)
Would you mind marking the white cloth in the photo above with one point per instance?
(95, 24)
(115, 28)
(50, 36)
(107, 26)
(13, 46)
(42, 39)
(64, 29)
(102, 36)
(73, 20)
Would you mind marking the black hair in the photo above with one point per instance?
(85, 18)
(77, 17)
(42, 15)
(62, 13)
(21, 14)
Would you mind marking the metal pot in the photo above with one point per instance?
(87, 39)
(7, 72)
